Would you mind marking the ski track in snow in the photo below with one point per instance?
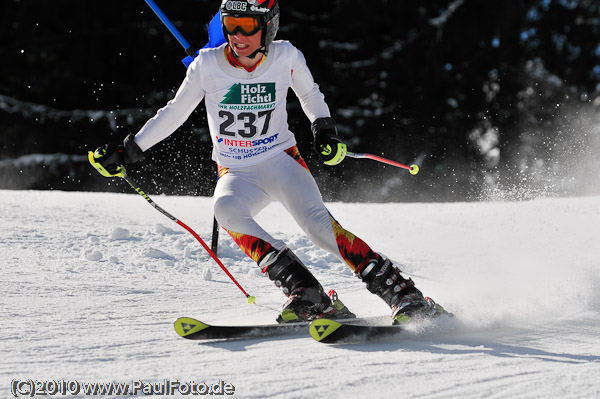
(93, 282)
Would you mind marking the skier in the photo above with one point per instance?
(244, 84)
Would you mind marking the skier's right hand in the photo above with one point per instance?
(110, 158)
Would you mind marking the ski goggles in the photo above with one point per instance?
(247, 25)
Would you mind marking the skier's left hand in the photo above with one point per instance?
(328, 145)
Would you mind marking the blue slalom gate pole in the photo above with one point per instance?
(215, 34)
(161, 15)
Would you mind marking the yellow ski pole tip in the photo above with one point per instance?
(414, 169)
(251, 299)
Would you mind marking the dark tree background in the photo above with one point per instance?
(489, 97)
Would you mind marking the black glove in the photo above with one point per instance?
(112, 157)
(327, 143)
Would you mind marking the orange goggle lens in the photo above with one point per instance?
(247, 25)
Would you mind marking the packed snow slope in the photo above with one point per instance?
(91, 285)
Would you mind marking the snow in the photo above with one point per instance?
(92, 283)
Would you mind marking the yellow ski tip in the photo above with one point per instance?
(186, 326)
(321, 328)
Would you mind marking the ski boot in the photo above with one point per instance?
(306, 299)
(407, 302)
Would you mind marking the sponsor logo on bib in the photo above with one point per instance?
(249, 96)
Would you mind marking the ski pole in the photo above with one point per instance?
(137, 188)
(413, 169)
(122, 174)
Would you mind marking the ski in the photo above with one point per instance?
(194, 329)
(331, 331)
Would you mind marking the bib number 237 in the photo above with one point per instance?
(249, 122)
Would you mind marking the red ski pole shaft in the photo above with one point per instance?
(212, 254)
(137, 188)
(413, 169)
